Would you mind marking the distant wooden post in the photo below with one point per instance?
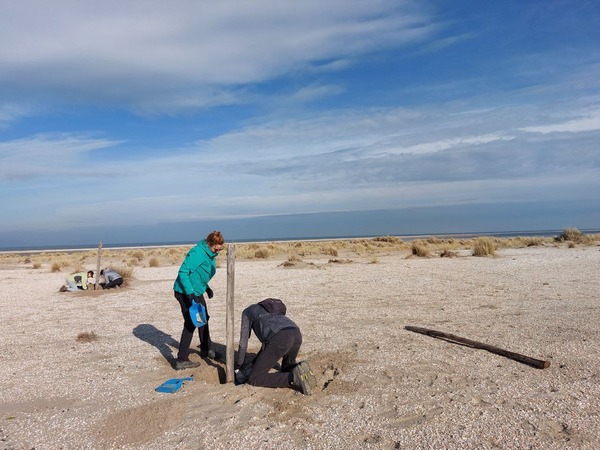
(230, 351)
(98, 266)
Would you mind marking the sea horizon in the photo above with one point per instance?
(404, 237)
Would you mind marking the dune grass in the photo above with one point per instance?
(574, 236)
(419, 248)
(87, 337)
(484, 246)
(125, 261)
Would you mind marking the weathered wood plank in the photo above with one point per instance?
(537, 363)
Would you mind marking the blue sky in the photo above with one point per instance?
(122, 121)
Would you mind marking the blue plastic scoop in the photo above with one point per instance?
(173, 385)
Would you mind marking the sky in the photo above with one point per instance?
(148, 120)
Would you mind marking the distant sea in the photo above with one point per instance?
(406, 238)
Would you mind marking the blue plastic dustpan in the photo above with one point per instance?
(173, 385)
(198, 314)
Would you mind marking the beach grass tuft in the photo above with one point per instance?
(574, 236)
(484, 246)
(420, 249)
(262, 253)
(87, 337)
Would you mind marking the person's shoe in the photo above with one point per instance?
(211, 354)
(182, 364)
(303, 378)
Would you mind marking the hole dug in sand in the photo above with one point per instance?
(328, 367)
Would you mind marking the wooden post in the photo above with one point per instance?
(98, 266)
(537, 363)
(230, 351)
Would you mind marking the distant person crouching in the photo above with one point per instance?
(112, 279)
(78, 281)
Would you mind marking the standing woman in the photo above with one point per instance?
(196, 271)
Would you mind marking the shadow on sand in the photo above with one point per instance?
(165, 344)
(162, 341)
(218, 364)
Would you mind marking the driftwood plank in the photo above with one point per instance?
(537, 363)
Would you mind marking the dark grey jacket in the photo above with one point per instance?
(110, 275)
(263, 323)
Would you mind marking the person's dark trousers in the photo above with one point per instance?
(113, 283)
(284, 344)
(189, 327)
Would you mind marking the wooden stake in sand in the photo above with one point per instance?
(98, 266)
(230, 353)
(537, 363)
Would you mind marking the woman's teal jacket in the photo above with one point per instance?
(196, 270)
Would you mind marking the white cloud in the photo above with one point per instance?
(442, 43)
(126, 52)
(579, 125)
(342, 160)
(445, 144)
(315, 92)
(10, 112)
(50, 155)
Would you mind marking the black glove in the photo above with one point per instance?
(189, 299)
(242, 374)
(209, 292)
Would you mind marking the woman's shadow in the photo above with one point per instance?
(165, 343)
(162, 341)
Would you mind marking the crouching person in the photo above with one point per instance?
(78, 281)
(112, 279)
(280, 338)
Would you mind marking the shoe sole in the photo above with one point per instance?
(307, 378)
(187, 366)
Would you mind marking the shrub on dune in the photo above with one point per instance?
(331, 251)
(420, 249)
(484, 246)
(573, 235)
(262, 253)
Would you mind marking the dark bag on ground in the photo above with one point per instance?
(274, 306)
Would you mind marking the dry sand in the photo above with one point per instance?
(379, 385)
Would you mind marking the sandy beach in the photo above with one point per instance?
(379, 385)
